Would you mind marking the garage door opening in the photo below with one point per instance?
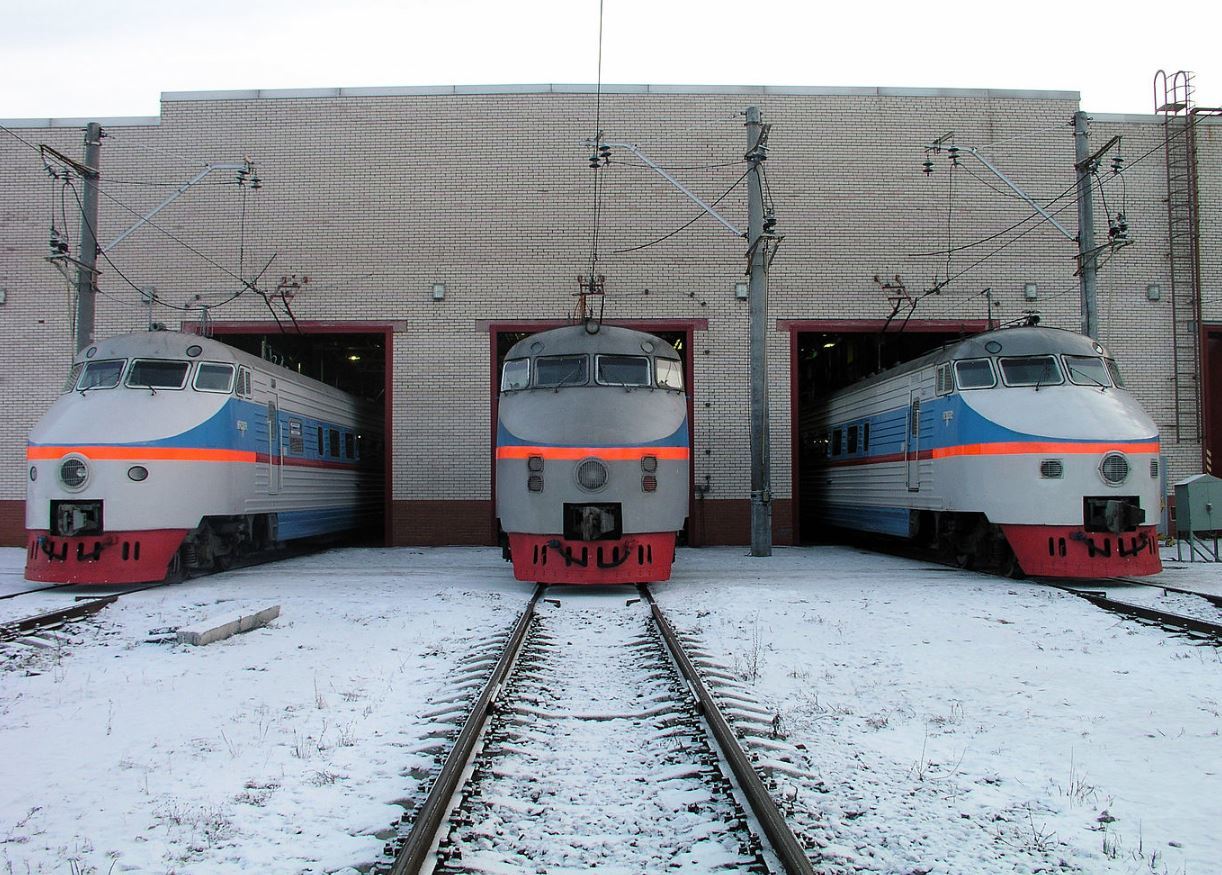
(828, 356)
(353, 358)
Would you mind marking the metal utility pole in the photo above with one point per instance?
(86, 268)
(761, 479)
(1086, 225)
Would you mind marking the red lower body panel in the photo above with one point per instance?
(115, 557)
(631, 559)
(1071, 551)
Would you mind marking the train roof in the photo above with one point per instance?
(607, 340)
(1018, 341)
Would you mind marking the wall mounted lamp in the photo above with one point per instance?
(439, 291)
(1031, 291)
(1154, 292)
(740, 291)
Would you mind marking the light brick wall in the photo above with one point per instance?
(377, 197)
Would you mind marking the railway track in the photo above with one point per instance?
(594, 743)
(1102, 594)
(87, 602)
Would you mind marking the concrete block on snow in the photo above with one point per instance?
(218, 628)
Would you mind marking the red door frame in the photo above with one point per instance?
(387, 330)
(534, 326)
(846, 326)
(1211, 394)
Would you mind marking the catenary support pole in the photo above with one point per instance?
(1086, 226)
(761, 486)
(86, 269)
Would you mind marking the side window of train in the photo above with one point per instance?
(669, 373)
(322, 447)
(945, 382)
(214, 377)
(333, 442)
(296, 439)
(1114, 370)
(852, 448)
(865, 438)
(243, 383)
(516, 375)
(975, 374)
(349, 445)
(561, 370)
(1086, 370)
(73, 376)
(914, 422)
(837, 441)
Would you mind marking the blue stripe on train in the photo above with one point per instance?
(883, 520)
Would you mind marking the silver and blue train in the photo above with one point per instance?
(170, 454)
(1018, 449)
(592, 455)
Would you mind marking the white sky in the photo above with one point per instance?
(114, 57)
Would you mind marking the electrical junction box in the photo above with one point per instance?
(1198, 505)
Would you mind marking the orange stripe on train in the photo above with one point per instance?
(612, 454)
(1009, 448)
(141, 454)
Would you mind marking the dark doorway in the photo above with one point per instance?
(355, 358)
(828, 356)
(1211, 399)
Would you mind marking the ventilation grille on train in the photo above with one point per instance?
(1052, 469)
(1154, 469)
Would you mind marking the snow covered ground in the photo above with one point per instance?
(949, 722)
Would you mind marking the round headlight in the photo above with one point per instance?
(33, 473)
(137, 473)
(1114, 468)
(591, 475)
(73, 473)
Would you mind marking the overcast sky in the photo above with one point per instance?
(107, 58)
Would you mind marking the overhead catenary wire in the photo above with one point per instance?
(686, 224)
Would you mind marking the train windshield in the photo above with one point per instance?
(214, 377)
(102, 374)
(1114, 370)
(975, 374)
(1086, 370)
(622, 370)
(157, 374)
(1032, 370)
(516, 374)
(561, 370)
(670, 373)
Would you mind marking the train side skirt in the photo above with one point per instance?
(114, 557)
(1071, 551)
(642, 558)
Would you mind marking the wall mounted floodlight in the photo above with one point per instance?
(740, 291)
(439, 291)
(1154, 292)
(1031, 291)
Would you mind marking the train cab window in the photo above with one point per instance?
(157, 374)
(516, 375)
(1114, 370)
(975, 374)
(73, 376)
(945, 383)
(1031, 370)
(621, 370)
(244, 389)
(1086, 370)
(333, 442)
(102, 374)
(837, 441)
(214, 377)
(669, 373)
(852, 441)
(349, 445)
(561, 370)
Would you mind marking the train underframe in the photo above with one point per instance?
(1119, 547)
(148, 555)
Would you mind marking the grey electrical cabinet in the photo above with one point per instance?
(1198, 509)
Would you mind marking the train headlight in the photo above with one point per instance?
(534, 464)
(1114, 469)
(591, 475)
(649, 464)
(33, 473)
(535, 482)
(73, 473)
(137, 473)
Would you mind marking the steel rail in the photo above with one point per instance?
(1141, 612)
(54, 586)
(419, 843)
(1213, 598)
(17, 628)
(781, 838)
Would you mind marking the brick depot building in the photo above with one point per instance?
(435, 225)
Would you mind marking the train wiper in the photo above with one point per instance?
(1102, 386)
(143, 386)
